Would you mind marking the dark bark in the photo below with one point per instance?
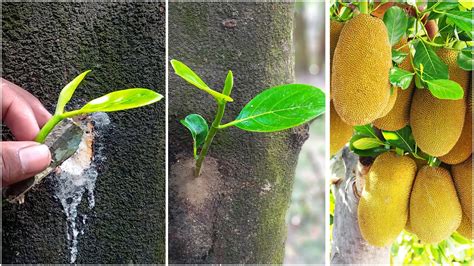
(239, 216)
(348, 246)
(45, 45)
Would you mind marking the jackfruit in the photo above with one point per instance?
(334, 32)
(437, 124)
(360, 70)
(435, 211)
(383, 206)
(340, 132)
(391, 103)
(399, 115)
(462, 177)
(463, 148)
(465, 228)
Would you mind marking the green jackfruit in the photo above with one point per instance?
(435, 211)
(437, 124)
(383, 206)
(340, 132)
(399, 115)
(360, 70)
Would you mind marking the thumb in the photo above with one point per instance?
(23, 159)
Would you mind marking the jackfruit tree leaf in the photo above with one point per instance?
(198, 127)
(119, 100)
(400, 78)
(398, 56)
(445, 89)
(466, 59)
(426, 58)
(281, 107)
(68, 91)
(373, 152)
(462, 19)
(367, 143)
(187, 74)
(366, 131)
(402, 139)
(229, 83)
(396, 21)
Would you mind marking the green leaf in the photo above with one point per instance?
(402, 139)
(398, 56)
(68, 91)
(280, 108)
(465, 59)
(426, 58)
(374, 152)
(119, 100)
(198, 127)
(367, 143)
(365, 130)
(400, 78)
(396, 21)
(462, 19)
(229, 83)
(187, 74)
(445, 89)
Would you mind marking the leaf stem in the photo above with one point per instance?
(364, 7)
(48, 127)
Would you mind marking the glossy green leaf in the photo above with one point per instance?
(426, 58)
(400, 78)
(445, 89)
(396, 21)
(365, 130)
(229, 83)
(402, 139)
(119, 100)
(198, 127)
(68, 91)
(281, 107)
(187, 74)
(398, 56)
(462, 19)
(367, 143)
(373, 152)
(466, 59)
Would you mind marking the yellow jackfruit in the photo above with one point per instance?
(463, 148)
(334, 32)
(360, 70)
(435, 211)
(399, 115)
(437, 124)
(462, 177)
(391, 103)
(340, 132)
(465, 228)
(383, 206)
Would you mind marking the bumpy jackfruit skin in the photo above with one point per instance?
(340, 132)
(437, 124)
(462, 177)
(391, 103)
(435, 211)
(465, 228)
(383, 206)
(399, 115)
(463, 147)
(360, 70)
(334, 32)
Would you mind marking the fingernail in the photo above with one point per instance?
(34, 158)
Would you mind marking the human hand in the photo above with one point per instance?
(23, 114)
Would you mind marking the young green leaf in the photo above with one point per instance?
(373, 152)
(280, 108)
(118, 100)
(68, 91)
(229, 83)
(445, 89)
(367, 143)
(466, 59)
(396, 21)
(462, 19)
(198, 127)
(398, 56)
(400, 78)
(187, 74)
(426, 58)
(402, 139)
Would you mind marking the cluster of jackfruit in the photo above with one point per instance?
(402, 192)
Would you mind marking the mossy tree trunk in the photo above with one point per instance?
(44, 46)
(242, 216)
(347, 245)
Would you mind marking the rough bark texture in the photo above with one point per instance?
(45, 45)
(348, 246)
(244, 216)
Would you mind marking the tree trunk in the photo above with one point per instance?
(235, 212)
(122, 220)
(348, 246)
